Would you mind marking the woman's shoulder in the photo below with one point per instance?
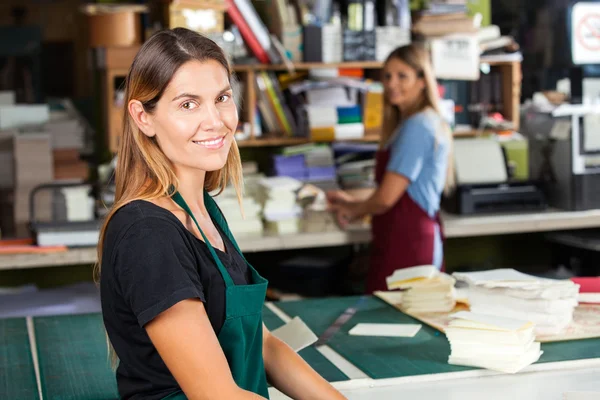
(428, 120)
(141, 215)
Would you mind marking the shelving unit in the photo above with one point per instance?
(511, 93)
(118, 60)
(114, 64)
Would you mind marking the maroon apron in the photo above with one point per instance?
(403, 236)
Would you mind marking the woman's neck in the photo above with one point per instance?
(409, 110)
(191, 188)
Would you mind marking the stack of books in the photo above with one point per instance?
(496, 343)
(425, 289)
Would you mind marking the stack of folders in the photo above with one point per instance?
(548, 303)
(491, 342)
(426, 289)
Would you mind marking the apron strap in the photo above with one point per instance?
(181, 203)
(217, 215)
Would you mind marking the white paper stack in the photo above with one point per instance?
(248, 224)
(548, 303)
(281, 211)
(491, 342)
(427, 289)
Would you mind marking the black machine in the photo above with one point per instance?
(493, 198)
(566, 164)
(485, 184)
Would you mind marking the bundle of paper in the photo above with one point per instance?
(491, 342)
(548, 303)
(426, 289)
(247, 224)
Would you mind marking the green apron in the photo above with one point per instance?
(241, 335)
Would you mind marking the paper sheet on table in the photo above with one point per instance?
(392, 330)
(581, 395)
(507, 277)
(296, 334)
(413, 273)
(592, 298)
(491, 321)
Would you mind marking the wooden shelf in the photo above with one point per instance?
(290, 141)
(499, 63)
(315, 65)
(303, 66)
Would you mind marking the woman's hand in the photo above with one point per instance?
(291, 375)
(339, 196)
(346, 207)
(347, 212)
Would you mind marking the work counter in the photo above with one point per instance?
(455, 226)
(65, 357)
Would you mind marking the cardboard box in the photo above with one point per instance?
(114, 25)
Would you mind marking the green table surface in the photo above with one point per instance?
(383, 357)
(17, 375)
(316, 360)
(73, 358)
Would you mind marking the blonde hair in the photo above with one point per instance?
(143, 171)
(417, 58)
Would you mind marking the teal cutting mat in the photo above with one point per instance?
(378, 357)
(17, 375)
(316, 360)
(73, 358)
(74, 364)
(426, 353)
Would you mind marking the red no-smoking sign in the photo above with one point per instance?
(588, 32)
(585, 33)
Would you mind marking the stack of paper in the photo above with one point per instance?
(281, 211)
(427, 289)
(491, 342)
(250, 222)
(548, 303)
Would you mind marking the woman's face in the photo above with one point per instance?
(195, 119)
(403, 87)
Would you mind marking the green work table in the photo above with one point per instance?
(71, 352)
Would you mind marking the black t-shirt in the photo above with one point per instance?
(150, 262)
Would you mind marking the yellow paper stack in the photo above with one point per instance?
(425, 289)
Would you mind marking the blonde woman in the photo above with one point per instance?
(181, 306)
(413, 168)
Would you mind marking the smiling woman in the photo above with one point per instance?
(181, 306)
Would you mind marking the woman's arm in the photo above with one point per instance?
(392, 188)
(291, 375)
(189, 347)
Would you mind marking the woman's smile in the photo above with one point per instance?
(214, 143)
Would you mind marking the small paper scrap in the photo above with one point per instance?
(296, 334)
(390, 330)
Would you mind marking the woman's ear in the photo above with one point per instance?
(422, 83)
(141, 118)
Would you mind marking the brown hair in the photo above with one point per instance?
(143, 172)
(417, 58)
